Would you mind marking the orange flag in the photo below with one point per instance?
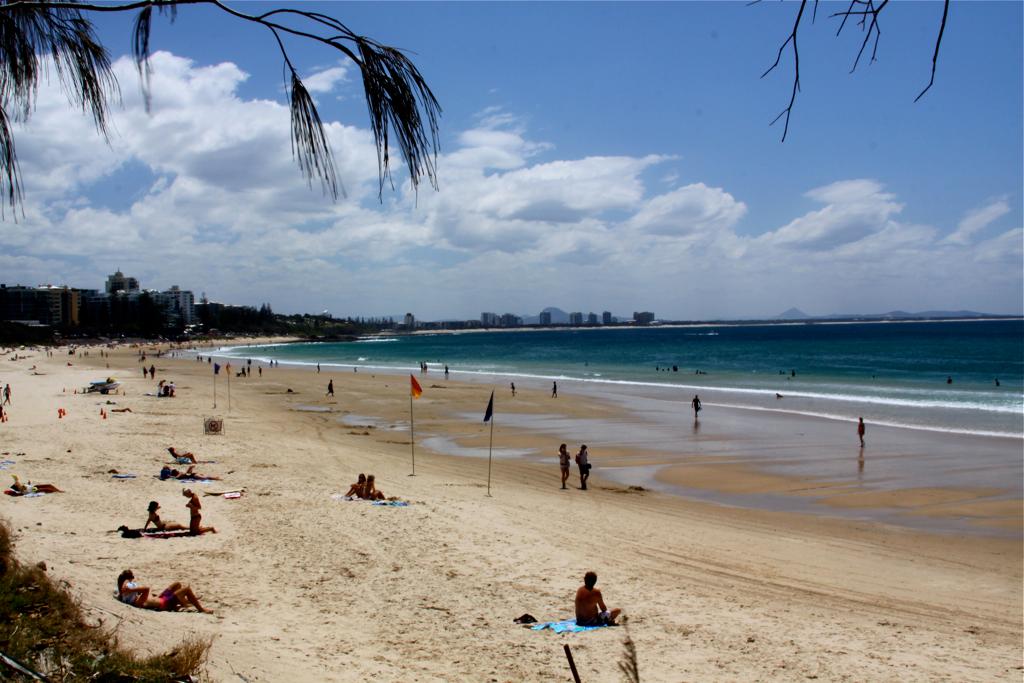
(417, 391)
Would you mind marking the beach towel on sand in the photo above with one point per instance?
(152, 533)
(33, 494)
(567, 626)
(384, 503)
(123, 476)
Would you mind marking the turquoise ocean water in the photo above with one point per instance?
(892, 374)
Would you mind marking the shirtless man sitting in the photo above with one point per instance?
(590, 607)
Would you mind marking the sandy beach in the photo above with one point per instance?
(890, 581)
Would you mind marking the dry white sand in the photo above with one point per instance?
(305, 587)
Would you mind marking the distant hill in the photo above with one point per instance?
(792, 314)
(558, 317)
(905, 315)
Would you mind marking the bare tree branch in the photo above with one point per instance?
(938, 44)
(796, 69)
(868, 12)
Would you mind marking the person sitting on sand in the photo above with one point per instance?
(590, 607)
(157, 523)
(172, 598)
(195, 526)
(22, 489)
(181, 458)
(358, 489)
(370, 491)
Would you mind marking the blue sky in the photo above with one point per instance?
(595, 156)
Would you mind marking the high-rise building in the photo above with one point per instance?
(606, 318)
(510, 320)
(576, 318)
(545, 318)
(178, 304)
(119, 282)
(489, 319)
(592, 318)
(643, 317)
(46, 305)
(410, 321)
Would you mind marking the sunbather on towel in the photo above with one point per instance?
(157, 523)
(195, 522)
(358, 489)
(172, 598)
(371, 492)
(181, 458)
(22, 489)
(190, 473)
(590, 607)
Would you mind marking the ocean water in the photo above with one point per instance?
(893, 374)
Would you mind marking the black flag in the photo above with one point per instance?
(490, 408)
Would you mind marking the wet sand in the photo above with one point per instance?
(306, 587)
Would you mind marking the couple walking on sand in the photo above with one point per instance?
(582, 460)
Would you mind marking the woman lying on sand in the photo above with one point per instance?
(190, 473)
(181, 458)
(172, 598)
(21, 489)
(157, 523)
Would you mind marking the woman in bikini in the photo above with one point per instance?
(172, 598)
(358, 489)
(371, 492)
(157, 523)
(181, 458)
(195, 525)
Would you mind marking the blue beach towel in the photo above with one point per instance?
(4, 464)
(122, 476)
(567, 626)
(391, 503)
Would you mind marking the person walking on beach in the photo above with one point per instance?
(696, 405)
(590, 607)
(7, 393)
(563, 463)
(318, 368)
(554, 390)
(513, 389)
(860, 430)
(330, 388)
(446, 372)
(583, 461)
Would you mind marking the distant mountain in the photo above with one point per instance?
(558, 317)
(792, 314)
(905, 315)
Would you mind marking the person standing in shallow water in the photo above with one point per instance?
(860, 431)
(696, 405)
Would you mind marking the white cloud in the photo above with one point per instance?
(203, 192)
(978, 219)
(326, 80)
(856, 209)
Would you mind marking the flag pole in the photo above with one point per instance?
(229, 387)
(412, 436)
(490, 449)
(214, 388)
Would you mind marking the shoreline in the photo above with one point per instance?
(308, 588)
(614, 437)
